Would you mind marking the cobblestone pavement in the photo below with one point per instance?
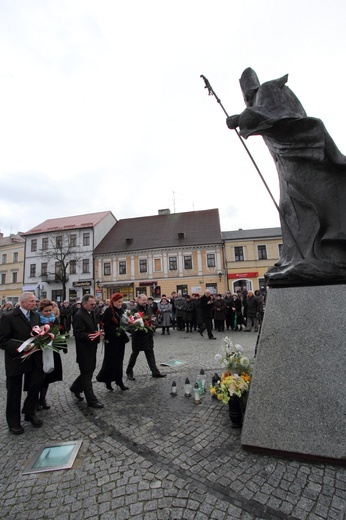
(149, 456)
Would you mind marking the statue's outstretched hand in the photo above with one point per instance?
(232, 121)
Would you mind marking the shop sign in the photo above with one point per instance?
(243, 275)
(81, 284)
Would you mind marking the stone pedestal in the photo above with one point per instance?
(297, 401)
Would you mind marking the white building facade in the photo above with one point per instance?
(58, 257)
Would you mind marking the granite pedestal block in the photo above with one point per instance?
(297, 401)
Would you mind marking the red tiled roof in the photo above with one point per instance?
(166, 230)
(76, 222)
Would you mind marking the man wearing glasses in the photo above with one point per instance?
(85, 333)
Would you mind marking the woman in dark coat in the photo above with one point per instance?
(115, 339)
(219, 313)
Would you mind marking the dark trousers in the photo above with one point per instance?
(14, 395)
(209, 326)
(149, 354)
(189, 325)
(83, 384)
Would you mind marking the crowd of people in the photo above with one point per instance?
(93, 321)
(241, 311)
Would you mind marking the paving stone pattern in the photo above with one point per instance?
(149, 456)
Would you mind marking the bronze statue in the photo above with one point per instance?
(312, 179)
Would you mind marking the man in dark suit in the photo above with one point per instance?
(143, 341)
(84, 327)
(206, 303)
(17, 325)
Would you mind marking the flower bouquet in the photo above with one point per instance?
(233, 386)
(137, 321)
(230, 385)
(47, 339)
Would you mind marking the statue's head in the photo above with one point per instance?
(249, 83)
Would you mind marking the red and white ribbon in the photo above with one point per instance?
(95, 335)
(36, 331)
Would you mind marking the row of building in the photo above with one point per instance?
(68, 257)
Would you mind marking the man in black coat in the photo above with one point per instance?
(17, 325)
(84, 327)
(143, 340)
(251, 304)
(206, 304)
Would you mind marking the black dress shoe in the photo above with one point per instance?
(109, 387)
(201, 333)
(35, 421)
(159, 375)
(212, 337)
(96, 404)
(130, 377)
(77, 395)
(16, 430)
(123, 387)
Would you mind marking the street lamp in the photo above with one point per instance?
(219, 275)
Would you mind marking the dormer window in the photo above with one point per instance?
(181, 235)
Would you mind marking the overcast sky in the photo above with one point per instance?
(103, 107)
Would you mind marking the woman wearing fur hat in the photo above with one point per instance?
(115, 340)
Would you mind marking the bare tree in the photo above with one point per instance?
(62, 249)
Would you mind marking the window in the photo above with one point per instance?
(34, 244)
(58, 242)
(15, 257)
(107, 268)
(3, 278)
(122, 267)
(44, 269)
(14, 277)
(280, 246)
(157, 264)
(210, 260)
(44, 244)
(86, 239)
(182, 289)
(239, 254)
(172, 263)
(58, 269)
(85, 268)
(4, 258)
(212, 287)
(32, 270)
(142, 266)
(73, 266)
(262, 252)
(188, 262)
(73, 240)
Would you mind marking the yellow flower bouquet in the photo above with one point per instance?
(230, 385)
(236, 379)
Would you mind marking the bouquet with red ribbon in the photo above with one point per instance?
(41, 338)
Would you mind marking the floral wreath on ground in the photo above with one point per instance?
(236, 379)
(137, 321)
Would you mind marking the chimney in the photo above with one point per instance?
(166, 211)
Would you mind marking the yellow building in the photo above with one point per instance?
(160, 254)
(11, 267)
(249, 254)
